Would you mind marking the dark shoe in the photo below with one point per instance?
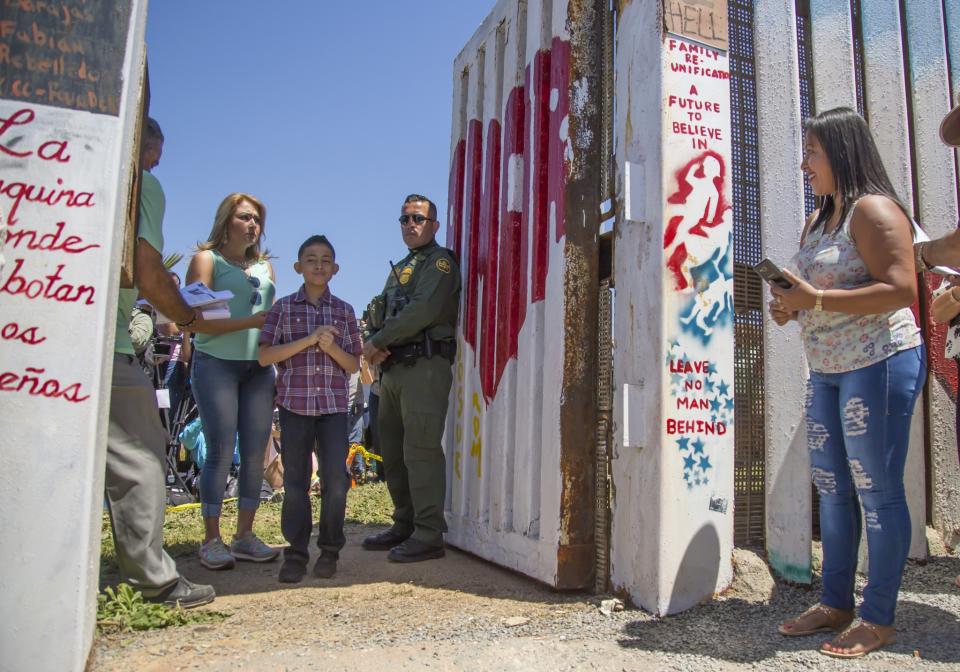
(384, 541)
(325, 566)
(184, 593)
(414, 550)
(292, 571)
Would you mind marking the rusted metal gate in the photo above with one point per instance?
(523, 218)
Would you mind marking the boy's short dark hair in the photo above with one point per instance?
(316, 240)
(151, 130)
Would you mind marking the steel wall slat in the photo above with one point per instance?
(782, 212)
(749, 454)
(831, 39)
(474, 191)
(887, 108)
(936, 201)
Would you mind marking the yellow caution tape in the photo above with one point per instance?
(364, 453)
(194, 505)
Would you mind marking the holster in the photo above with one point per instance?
(409, 353)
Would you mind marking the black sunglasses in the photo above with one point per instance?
(417, 219)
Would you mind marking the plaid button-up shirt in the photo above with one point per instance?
(311, 382)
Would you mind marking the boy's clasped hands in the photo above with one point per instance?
(324, 335)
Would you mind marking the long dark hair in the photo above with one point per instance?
(854, 160)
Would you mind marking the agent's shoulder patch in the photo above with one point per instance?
(443, 265)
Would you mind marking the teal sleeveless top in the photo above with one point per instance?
(239, 345)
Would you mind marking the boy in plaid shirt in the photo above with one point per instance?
(313, 338)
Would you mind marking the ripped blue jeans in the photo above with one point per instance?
(858, 431)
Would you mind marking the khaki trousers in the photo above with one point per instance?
(136, 468)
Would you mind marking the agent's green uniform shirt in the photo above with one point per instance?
(430, 278)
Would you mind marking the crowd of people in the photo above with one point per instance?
(851, 285)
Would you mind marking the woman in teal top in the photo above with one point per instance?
(233, 392)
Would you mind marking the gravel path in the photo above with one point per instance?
(461, 613)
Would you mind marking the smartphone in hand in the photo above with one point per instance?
(770, 272)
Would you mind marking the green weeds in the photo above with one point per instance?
(125, 609)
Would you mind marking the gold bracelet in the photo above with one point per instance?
(818, 306)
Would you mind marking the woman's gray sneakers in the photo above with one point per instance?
(250, 547)
(214, 554)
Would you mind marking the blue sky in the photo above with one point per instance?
(329, 112)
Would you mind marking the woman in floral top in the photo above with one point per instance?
(853, 284)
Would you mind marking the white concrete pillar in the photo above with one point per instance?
(672, 528)
(56, 360)
(937, 211)
(636, 463)
(788, 490)
(886, 103)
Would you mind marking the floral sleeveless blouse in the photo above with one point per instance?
(839, 342)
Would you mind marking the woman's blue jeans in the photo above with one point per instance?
(235, 397)
(858, 431)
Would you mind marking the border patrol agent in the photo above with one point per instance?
(411, 332)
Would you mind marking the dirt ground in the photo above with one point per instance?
(461, 613)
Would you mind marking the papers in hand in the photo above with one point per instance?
(211, 304)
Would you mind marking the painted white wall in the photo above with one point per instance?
(510, 511)
(54, 449)
(788, 489)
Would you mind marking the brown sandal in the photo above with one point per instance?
(880, 636)
(818, 618)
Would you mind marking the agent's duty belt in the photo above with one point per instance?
(409, 354)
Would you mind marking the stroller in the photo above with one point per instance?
(171, 379)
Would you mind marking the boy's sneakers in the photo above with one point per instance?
(185, 594)
(292, 570)
(214, 554)
(250, 547)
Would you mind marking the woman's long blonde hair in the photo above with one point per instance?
(218, 234)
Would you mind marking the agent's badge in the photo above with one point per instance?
(405, 275)
(443, 265)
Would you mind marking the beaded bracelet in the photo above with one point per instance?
(184, 325)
